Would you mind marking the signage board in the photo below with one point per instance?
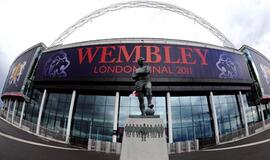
(262, 69)
(19, 70)
(84, 63)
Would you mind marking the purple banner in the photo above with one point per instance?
(18, 71)
(262, 65)
(119, 61)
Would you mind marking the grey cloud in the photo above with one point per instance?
(249, 22)
(4, 67)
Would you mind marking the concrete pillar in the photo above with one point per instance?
(169, 109)
(243, 110)
(9, 105)
(115, 117)
(13, 111)
(72, 103)
(41, 110)
(263, 120)
(214, 115)
(22, 113)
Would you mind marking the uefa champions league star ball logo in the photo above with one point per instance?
(266, 73)
(56, 65)
(227, 67)
(16, 73)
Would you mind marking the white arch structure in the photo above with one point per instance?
(142, 4)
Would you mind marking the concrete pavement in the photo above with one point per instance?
(11, 149)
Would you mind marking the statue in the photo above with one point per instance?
(143, 87)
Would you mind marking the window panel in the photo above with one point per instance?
(189, 118)
(55, 109)
(228, 115)
(97, 113)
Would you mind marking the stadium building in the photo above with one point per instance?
(82, 92)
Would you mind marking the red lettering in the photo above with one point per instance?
(119, 69)
(107, 53)
(156, 70)
(152, 51)
(87, 54)
(186, 55)
(110, 69)
(166, 70)
(202, 55)
(168, 56)
(102, 69)
(126, 55)
(95, 70)
(127, 69)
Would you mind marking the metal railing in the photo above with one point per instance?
(29, 126)
(58, 135)
(104, 146)
(233, 135)
(185, 146)
(16, 120)
(3, 113)
(267, 121)
(110, 147)
(252, 127)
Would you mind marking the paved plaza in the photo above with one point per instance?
(20, 145)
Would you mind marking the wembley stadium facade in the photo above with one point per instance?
(82, 92)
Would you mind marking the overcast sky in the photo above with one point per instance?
(28, 22)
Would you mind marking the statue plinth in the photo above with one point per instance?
(144, 138)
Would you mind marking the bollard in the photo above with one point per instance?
(178, 147)
(98, 146)
(93, 145)
(113, 147)
(169, 148)
(103, 146)
(197, 147)
(118, 148)
(108, 147)
(188, 146)
(89, 144)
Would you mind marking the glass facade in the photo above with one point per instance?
(18, 110)
(11, 104)
(130, 106)
(228, 114)
(92, 119)
(267, 106)
(251, 112)
(93, 116)
(55, 115)
(191, 118)
(31, 110)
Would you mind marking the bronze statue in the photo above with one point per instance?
(143, 87)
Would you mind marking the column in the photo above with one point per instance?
(169, 110)
(263, 120)
(13, 111)
(214, 115)
(115, 117)
(41, 110)
(70, 115)
(9, 105)
(243, 110)
(22, 113)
